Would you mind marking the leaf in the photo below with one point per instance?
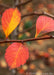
(10, 20)
(44, 24)
(16, 55)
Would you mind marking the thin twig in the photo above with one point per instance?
(26, 40)
(4, 6)
(18, 5)
(38, 13)
(30, 14)
(24, 3)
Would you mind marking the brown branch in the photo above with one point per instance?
(5, 6)
(38, 13)
(24, 3)
(18, 5)
(26, 40)
(30, 14)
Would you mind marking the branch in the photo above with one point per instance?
(26, 40)
(38, 13)
(18, 5)
(24, 3)
(30, 14)
(5, 6)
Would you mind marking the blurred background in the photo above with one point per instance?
(41, 58)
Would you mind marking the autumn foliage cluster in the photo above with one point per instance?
(17, 54)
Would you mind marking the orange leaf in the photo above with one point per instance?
(10, 19)
(45, 24)
(16, 55)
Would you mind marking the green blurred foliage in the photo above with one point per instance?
(23, 37)
(28, 24)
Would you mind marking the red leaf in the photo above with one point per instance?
(16, 55)
(10, 20)
(45, 24)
